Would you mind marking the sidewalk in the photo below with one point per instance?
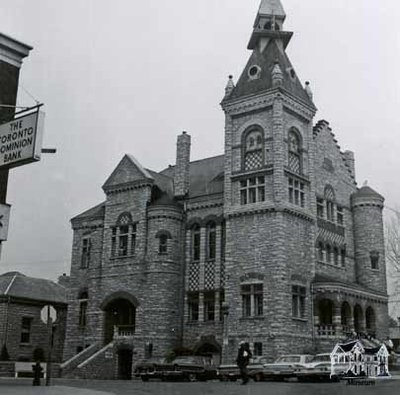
(8, 387)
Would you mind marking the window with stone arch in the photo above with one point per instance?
(294, 151)
(123, 237)
(253, 148)
(329, 195)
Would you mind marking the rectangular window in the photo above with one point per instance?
(258, 299)
(258, 351)
(196, 244)
(330, 211)
(123, 240)
(296, 191)
(343, 257)
(113, 242)
(252, 300)
(26, 326)
(223, 240)
(221, 305)
(298, 301)
(252, 190)
(82, 313)
(320, 208)
(211, 241)
(133, 238)
(209, 306)
(85, 257)
(193, 304)
(339, 215)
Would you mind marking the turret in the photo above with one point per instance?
(367, 206)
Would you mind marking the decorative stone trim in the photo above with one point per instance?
(204, 205)
(130, 186)
(237, 175)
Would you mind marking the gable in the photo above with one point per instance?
(127, 171)
(330, 165)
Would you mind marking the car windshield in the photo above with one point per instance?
(322, 358)
(289, 358)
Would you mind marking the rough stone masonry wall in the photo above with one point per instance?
(368, 230)
(38, 334)
(339, 178)
(163, 281)
(76, 336)
(275, 249)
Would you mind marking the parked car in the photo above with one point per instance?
(230, 372)
(151, 368)
(319, 369)
(283, 368)
(190, 368)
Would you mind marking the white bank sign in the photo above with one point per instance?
(21, 140)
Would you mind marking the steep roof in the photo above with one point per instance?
(18, 285)
(367, 191)
(94, 212)
(271, 7)
(127, 170)
(205, 176)
(266, 60)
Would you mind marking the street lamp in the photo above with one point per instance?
(225, 342)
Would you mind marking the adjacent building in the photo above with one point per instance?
(271, 242)
(22, 330)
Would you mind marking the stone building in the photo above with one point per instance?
(21, 329)
(271, 242)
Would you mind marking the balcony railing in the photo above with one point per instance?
(326, 330)
(330, 226)
(123, 331)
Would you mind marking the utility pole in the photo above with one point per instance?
(12, 52)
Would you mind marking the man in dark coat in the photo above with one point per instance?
(243, 359)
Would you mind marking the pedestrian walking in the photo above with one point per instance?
(242, 360)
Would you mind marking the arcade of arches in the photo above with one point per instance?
(336, 317)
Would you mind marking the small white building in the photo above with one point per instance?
(355, 359)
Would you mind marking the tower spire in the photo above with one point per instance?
(269, 23)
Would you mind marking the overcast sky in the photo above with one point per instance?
(126, 76)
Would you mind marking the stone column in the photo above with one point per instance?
(279, 183)
(337, 319)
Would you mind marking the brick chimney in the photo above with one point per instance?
(181, 176)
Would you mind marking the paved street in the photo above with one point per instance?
(89, 387)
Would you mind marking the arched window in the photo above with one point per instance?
(195, 242)
(253, 149)
(163, 237)
(329, 195)
(294, 151)
(211, 240)
(123, 237)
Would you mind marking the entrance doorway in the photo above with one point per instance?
(119, 315)
(125, 364)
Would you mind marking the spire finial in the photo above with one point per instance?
(229, 86)
(308, 90)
